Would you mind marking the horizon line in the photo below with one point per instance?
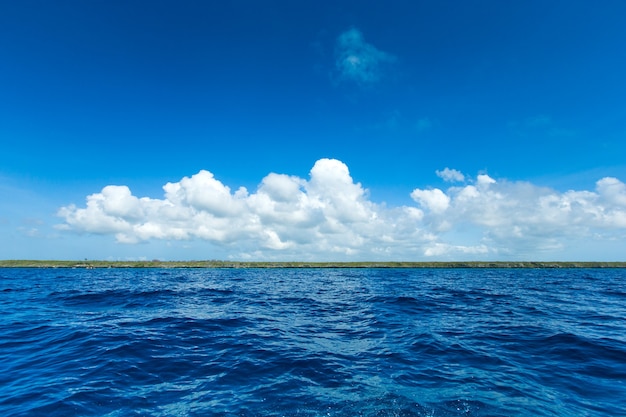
(155, 263)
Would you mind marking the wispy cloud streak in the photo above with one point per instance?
(359, 61)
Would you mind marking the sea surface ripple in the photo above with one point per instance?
(312, 342)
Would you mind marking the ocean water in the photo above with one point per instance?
(313, 342)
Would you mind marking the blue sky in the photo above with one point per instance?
(403, 130)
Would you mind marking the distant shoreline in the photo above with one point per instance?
(93, 264)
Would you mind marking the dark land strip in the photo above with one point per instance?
(239, 264)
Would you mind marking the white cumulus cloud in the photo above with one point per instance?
(450, 175)
(359, 61)
(519, 217)
(434, 200)
(329, 216)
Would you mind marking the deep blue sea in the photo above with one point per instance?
(312, 342)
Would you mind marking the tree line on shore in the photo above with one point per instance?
(92, 264)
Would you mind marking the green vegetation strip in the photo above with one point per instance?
(237, 264)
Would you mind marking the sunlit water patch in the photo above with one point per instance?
(312, 342)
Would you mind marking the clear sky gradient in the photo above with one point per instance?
(333, 130)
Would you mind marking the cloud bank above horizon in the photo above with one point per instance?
(331, 217)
